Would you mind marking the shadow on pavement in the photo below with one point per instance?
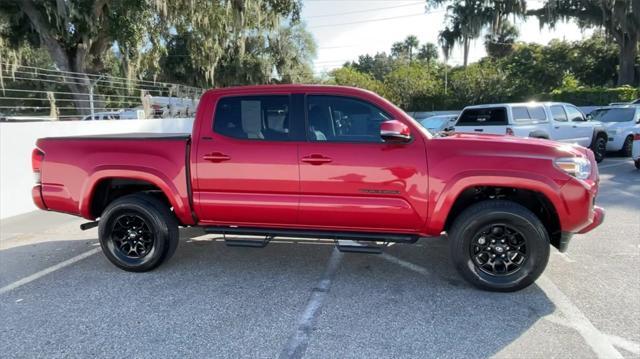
(211, 300)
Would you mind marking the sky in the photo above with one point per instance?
(345, 29)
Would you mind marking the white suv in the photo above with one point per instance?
(621, 123)
(551, 120)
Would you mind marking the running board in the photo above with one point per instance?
(244, 242)
(349, 246)
(301, 233)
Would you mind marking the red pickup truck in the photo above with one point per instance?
(324, 162)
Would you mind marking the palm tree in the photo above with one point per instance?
(467, 19)
(428, 52)
(411, 43)
(500, 44)
(398, 49)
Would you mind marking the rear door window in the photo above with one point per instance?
(558, 113)
(495, 116)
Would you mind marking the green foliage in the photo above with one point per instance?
(587, 96)
(348, 76)
(410, 86)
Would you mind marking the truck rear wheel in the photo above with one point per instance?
(499, 245)
(138, 232)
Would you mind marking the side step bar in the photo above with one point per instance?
(242, 242)
(356, 247)
(301, 233)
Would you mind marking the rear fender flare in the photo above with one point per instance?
(181, 207)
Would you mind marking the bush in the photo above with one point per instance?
(590, 96)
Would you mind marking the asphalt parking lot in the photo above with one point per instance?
(60, 297)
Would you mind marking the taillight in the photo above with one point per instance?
(636, 137)
(36, 162)
(509, 131)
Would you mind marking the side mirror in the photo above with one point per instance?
(395, 132)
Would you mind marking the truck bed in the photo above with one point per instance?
(74, 167)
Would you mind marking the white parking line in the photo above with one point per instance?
(405, 264)
(615, 164)
(299, 341)
(617, 341)
(565, 257)
(625, 344)
(599, 342)
(46, 271)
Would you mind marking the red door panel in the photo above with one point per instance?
(364, 186)
(257, 184)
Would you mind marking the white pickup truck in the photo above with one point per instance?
(552, 120)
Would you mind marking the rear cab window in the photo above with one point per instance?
(528, 113)
(493, 116)
(254, 118)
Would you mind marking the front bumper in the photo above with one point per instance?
(598, 218)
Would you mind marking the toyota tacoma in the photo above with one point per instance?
(324, 162)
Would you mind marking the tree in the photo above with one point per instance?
(500, 44)
(428, 52)
(410, 83)
(619, 18)
(347, 76)
(398, 50)
(466, 19)
(78, 34)
(411, 43)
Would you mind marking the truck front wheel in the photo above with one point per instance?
(499, 245)
(138, 232)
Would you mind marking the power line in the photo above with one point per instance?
(372, 20)
(364, 11)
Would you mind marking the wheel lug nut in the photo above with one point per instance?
(502, 256)
(493, 256)
(502, 241)
(493, 241)
(508, 248)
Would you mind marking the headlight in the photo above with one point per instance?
(578, 167)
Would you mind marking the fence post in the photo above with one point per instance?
(91, 100)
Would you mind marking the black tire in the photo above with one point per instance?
(627, 147)
(599, 148)
(638, 164)
(468, 229)
(133, 215)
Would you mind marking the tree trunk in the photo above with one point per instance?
(627, 58)
(64, 60)
(465, 45)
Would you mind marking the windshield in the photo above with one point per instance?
(433, 122)
(613, 114)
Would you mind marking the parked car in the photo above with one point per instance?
(621, 122)
(324, 162)
(439, 123)
(635, 153)
(550, 120)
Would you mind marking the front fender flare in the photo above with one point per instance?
(441, 209)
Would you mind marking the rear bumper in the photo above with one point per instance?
(36, 195)
(598, 218)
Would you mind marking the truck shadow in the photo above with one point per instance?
(245, 302)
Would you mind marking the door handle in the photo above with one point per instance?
(316, 159)
(216, 157)
(574, 126)
(478, 130)
(556, 127)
